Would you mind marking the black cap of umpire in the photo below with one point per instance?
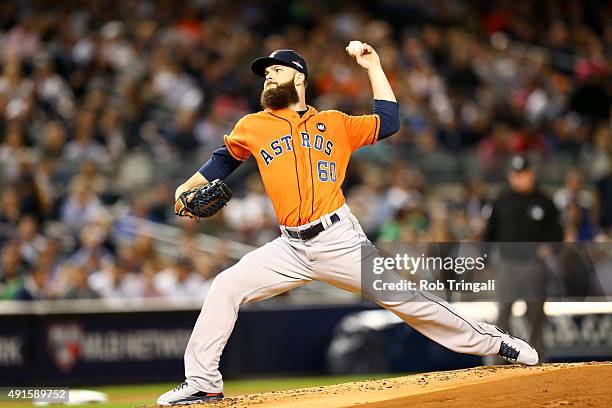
(288, 58)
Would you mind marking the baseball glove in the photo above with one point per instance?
(204, 201)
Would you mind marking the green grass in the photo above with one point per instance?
(129, 396)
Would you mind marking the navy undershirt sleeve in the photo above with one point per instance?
(389, 114)
(220, 165)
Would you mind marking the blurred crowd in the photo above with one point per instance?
(106, 106)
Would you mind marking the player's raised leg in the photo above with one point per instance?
(428, 314)
(261, 274)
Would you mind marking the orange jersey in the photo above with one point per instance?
(302, 160)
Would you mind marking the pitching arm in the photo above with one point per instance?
(385, 103)
(365, 55)
(389, 115)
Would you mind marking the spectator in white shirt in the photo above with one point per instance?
(115, 281)
(180, 281)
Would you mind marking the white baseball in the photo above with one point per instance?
(355, 47)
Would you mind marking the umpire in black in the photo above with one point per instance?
(520, 220)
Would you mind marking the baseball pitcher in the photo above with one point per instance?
(302, 155)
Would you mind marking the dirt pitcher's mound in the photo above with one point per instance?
(544, 386)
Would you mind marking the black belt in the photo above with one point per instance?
(313, 231)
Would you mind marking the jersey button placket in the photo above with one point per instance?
(308, 179)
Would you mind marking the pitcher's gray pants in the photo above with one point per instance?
(334, 256)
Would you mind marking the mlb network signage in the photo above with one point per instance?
(101, 348)
(86, 348)
(68, 344)
(11, 351)
(146, 346)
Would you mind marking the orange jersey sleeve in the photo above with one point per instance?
(236, 141)
(361, 130)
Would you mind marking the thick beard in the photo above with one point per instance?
(280, 97)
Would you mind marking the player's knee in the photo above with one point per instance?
(221, 283)
(225, 286)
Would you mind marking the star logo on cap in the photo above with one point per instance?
(536, 212)
(297, 64)
(518, 162)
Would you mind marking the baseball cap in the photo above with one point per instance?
(519, 163)
(288, 58)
